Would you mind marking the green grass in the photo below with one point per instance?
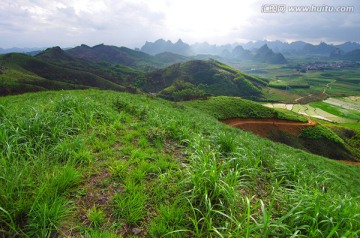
(100, 164)
(231, 107)
(320, 132)
(338, 111)
(343, 81)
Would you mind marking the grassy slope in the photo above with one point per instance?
(211, 76)
(337, 111)
(36, 75)
(98, 164)
(230, 107)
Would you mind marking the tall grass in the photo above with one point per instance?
(181, 172)
(40, 150)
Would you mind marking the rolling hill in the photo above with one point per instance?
(210, 77)
(23, 73)
(124, 56)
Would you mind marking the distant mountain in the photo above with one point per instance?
(352, 55)
(240, 53)
(207, 49)
(348, 46)
(210, 77)
(167, 57)
(124, 56)
(266, 55)
(302, 48)
(161, 46)
(21, 50)
(276, 46)
(321, 49)
(113, 55)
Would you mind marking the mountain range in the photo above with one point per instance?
(182, 48)
(293, 48)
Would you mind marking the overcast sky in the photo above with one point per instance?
(67, 23)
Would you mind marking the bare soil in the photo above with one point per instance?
(265, 127)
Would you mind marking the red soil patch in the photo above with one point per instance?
(350, 162)
(264, 127)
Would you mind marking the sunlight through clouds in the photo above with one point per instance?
(132, 22)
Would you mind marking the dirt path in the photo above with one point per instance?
(240, 121)
(267, 127)
(327, 86)
(349, 162)
(298, 99)
(311, 97)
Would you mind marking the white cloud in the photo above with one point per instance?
(132, 22)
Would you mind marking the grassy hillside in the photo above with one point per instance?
(105, 164)
(22, 73)
(230, 107)
(124, 56)
(116, 73)
(211, 77)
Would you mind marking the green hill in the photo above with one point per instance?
(116, 73)
(107, 164)
(205, 77)
(317, 139)
(23, 73)
(124, 56)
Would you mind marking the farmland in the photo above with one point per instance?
(295, 81)
(339, 110)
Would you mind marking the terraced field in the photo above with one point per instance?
(339, 110)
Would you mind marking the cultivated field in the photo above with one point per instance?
(339, 110)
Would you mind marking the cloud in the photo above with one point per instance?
(132, 22)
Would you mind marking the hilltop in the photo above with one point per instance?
(23, 73)
(107, 164)
(265, 55)
(204, 78)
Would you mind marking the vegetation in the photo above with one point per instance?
(212, 77)
(320, 132)
(106, 164)
(337, 111)
(290, 83)
(230, 107)
(182, 91)
(25, 73)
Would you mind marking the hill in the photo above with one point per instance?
(106, 164)
(161, 46)
(266, 55)
(277, 125)
(23, 73)
(167, 57)
(115, 73)
(211, 77)
(114, 55)
(353, 55)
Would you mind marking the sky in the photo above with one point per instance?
(68, 23)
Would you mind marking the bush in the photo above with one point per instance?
(320, 132)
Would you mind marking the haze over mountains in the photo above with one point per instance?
(287, 49)
(182, 48)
